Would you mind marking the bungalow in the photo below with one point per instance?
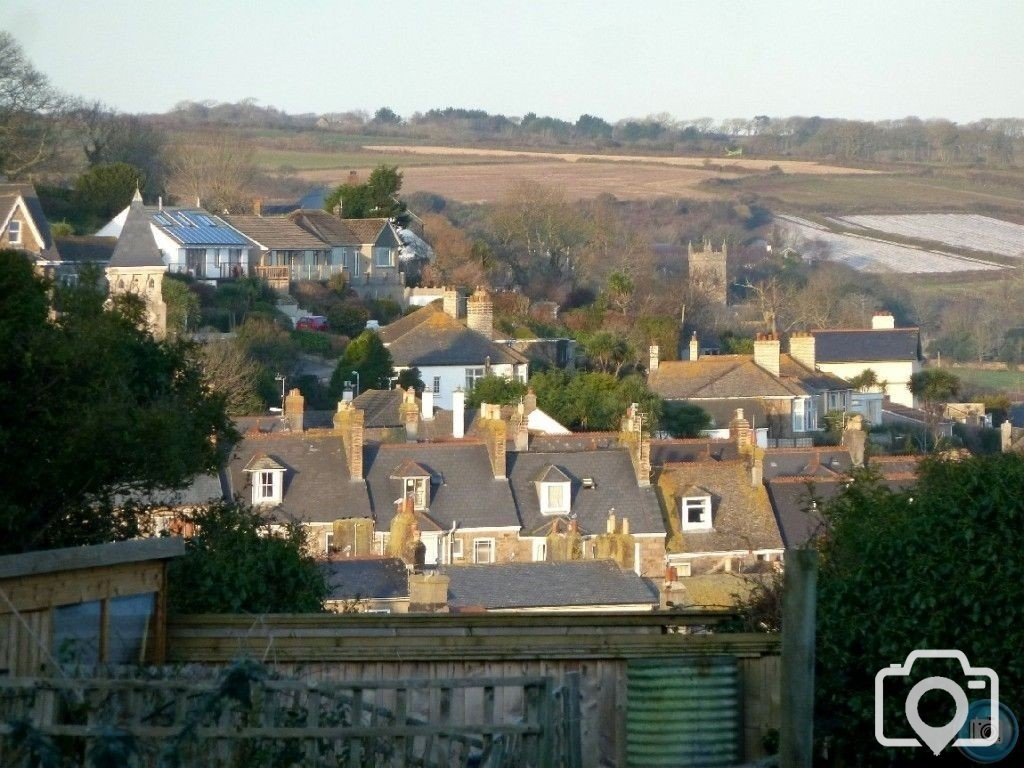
(286, 251)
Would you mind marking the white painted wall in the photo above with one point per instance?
(896, 374)
(454, 377)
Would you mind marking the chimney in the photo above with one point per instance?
(530, 401)
(694, 347)
(353, 537)
(450, 302)
(346, 394)
(521, 429)
(294, 410)
(428, 592)
(409, 412)
(855, 439)
(1006, 436)
(655, 358)
(638, 442)
(883, 321)
(739, 431)
(348, 422)
(458, 414)
(766, 352)
(801, 349)
(257, 206)
(404, 539)
(160, 202)
(493, 430)
(427, 404)
(616, 543)
(756, 466)
(610, 524)
(480, 313)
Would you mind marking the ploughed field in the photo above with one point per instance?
(873, 253)
(969, 231)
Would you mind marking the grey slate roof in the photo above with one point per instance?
(546, 584)
(867, 345)
(698, 449)
(404, 324)
(806, 462)
(380, 406)
(462, 489)
(86, 248)
(615, 487)
(202, 489)
(317, 488)
(381, 579)
(443, 340)
(136, 246)
(794, 501)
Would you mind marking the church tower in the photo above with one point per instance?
(707, 269)
(137, 266)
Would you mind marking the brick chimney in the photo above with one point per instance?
(257, 206)
(493, 430)
(404, 538)
(428, 592)
(855, 439)
(694, 347)
(801, 349)
(348, 422)
(458, 414)
(480, 313)
(637, 441)
(450, 302)
(409, 412)
(654, 358)
(530, 401)
(294, 410)
(616, 543)
(883, 321)
(756, 466)
(766, 352)
(739, 431)
(567, 545)
(520, 429)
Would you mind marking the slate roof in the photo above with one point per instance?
(403, 325)
(443, 340)
(730, 376)
(317, 488)
(462, 489)
(380, 407)
(698, 449)
(86, 248)
(578, 583)
(9, 194)
(192, 226)
(335, 231)
(377, 579)
(615, 488)
(275, 233)
(202, 489)
(136, 246)
(741, 514)
(867, 345)
(806, 462)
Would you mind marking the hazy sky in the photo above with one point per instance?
(873, 59)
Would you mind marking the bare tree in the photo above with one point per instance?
(231, 373)
(218, 170)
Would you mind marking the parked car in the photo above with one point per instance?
(311, 323)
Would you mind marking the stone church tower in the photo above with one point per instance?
(137, 266)
(707, 269)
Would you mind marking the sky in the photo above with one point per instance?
(866, 59)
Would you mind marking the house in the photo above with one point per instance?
(285, 251)
(191, 241)
(23, 227)
(893, 354)
(775, 390)
(452, 355)
(368, 251)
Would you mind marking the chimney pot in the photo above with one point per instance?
(458, 414)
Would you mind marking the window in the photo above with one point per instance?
(416, 487)
(14, 232)
(266, 486)
(383, 257)
(540, 551)
(328, 542)
(554, 498)
(697, 513)
(473, 375)
(457, 553)
(350, 261)
(128, 620)
(483, 550)
(76, 633)
(804, 419)
(436, 388)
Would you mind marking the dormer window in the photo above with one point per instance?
(415, 481)
(267, 480)
(14, 232)
(696, 513)
(554, 491)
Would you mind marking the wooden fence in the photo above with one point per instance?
(592, 650)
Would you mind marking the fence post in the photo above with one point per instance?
(796, 742)
(571, 714)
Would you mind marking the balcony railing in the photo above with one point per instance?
(232, 270)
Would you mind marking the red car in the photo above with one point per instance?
(311, 323)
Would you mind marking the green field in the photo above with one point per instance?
(1010, 382)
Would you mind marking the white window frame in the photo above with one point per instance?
(457, 551)
(418, 487)
(546, 507)
(490, 545)
(473, 375)
(540, 550)
(379, 251)
(799, 414)
(436, 388)
(14, 232)
(259, 486)
(694, 503)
